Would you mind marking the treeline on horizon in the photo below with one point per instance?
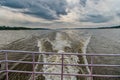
(13, 28)
(20, 28)
(109, 27)
(25, 28)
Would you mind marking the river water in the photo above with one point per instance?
(74, 41)
(7, 37)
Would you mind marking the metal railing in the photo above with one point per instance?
(62, 64)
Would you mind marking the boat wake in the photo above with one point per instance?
(64, 42)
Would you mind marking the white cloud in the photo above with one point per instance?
(61, 12)
(101, 12)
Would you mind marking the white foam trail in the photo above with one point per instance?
(84, 48)
(84, 52)
(59, 45)
(61, 41)
(38, 60)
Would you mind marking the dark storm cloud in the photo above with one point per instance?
(83, 2)
(12, 3)
(48, 9)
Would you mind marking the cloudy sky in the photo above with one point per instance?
(60, 13)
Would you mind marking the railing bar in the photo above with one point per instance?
(62, 66)
(52, 53)
(91, 68)
(6, 65)
(32, 62)
(30, 72)
(94, 75)
(88, 75)
(1, 61)
(33, 74)
(1, 67)
(1, 71)
(84, 75)
(94, 65)
(110, 76)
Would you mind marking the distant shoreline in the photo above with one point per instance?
(20, 28)
(25, 28)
